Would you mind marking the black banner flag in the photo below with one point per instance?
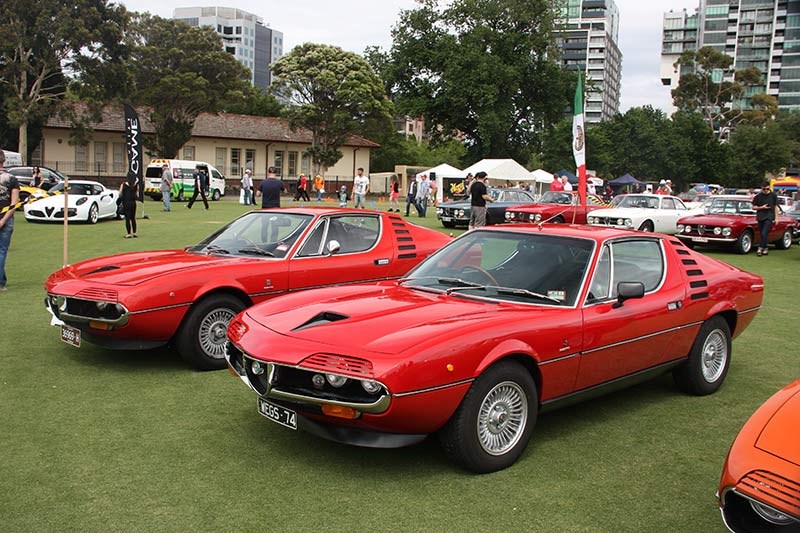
(133, 140)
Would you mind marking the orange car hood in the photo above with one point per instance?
(781, 435)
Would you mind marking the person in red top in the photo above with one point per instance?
(302, 193)
(662, 188)
(557, 184)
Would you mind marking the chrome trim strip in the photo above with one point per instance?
(557, 359)
(751, 310)
(752, 499)
(432, 389)
(344, 283)
(376, 407)
(63, 316)
(690, 237)
(162, 308)
(649, 335)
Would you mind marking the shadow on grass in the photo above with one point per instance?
(164, 358)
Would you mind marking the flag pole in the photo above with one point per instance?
(65, 260)
(579, 140)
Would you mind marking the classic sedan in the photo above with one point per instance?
(88, 201)
(731, 221)
(147, 299)
(454, 214)
(643, 212)
(499, 325)
(557, 207)
(760, 485)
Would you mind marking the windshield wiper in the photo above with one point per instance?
(255, 250)
(213, 249)
(457, 282)
(506, 290)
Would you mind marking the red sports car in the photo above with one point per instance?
(495, 327)
(147, 299)
(556, 207)
(760, 485)
(731, 221)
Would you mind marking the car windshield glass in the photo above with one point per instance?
(519, 267)
(81, 189)
(494, 194)
(727, 206)
(257, 234)
(635, 200)
(555, 197)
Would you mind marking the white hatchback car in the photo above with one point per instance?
(643, 212)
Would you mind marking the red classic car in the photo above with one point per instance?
(731, 221)
(147, 299)
(556, 207)
(760, 485)
(495, 327)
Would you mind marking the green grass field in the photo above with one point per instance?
(95, 440)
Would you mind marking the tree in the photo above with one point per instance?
(333, 93)
(485, 68)
(256, 102)
(396, 148)
(707, 89)
(758, 150)
(43, 40)
(181, 71)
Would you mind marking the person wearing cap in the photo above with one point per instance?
(200, 183)
(166, 186)
(668, 185)
(270, 189)
(662, 187)
(301, 193)
(247, 187)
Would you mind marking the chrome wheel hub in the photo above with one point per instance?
(714, 356)
(213, 330)
(502, 418)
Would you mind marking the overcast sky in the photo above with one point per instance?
(356, 24)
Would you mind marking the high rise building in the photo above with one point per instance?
(756, 33)
(588, 33)
(244, 36)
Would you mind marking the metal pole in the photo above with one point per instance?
(66, 220)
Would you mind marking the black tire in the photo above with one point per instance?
(558, 220)
(449, 224)
(202, 335)
(785, 241)
(461, 437)
(215, 195)
(180, 197)
(93, 215)
(709, 360)
(744, 243)
(647, 227)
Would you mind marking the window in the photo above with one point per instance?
(100, 161)
(188, 152)
(292, 170)
(118, 157)
(221, 155)
(354, 233)
(81, 158)
(227, 30)
(250, 158)
(305, 164)
(238, 30)
(278, 161)
(236, 161)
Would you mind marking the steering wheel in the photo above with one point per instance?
(469, 268)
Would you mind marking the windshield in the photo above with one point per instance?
(80, 189)
(554, 197)
(518, 267)
(636, 200)
(259, 233)
(728, 206)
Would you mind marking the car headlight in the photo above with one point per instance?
(591, 220)
(620, 222)
(726, 232)
(439, 210)
(257, 368)
(628, 223)
(336, 380)
(680, 228)
(81, 200)
(460, 213)
(372, 387)
(717, 231)
(687, 229)
(509, 216)
(537, 218)
(531, 217)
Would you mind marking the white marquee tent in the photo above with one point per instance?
(442, 171)
(501, 170)
(542, 176)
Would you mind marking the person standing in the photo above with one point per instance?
(394, 194)
(200, 181)
(478, 199)
(37, 180)
(247, 187)
(270, 189)
(557, 185)
(765, 204)
(9, 197)
(301, 193)
(128, 196)
(360, 189)
(566, 185)
(343, 196)
(434, 191)
(166, 186)
(319, 186)
(411, 195)
(421, 201)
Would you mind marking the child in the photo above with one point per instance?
(343, 196)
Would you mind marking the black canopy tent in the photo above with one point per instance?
(627, 179)
(573, 179)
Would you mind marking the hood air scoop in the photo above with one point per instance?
(326, 317)
(104, 269)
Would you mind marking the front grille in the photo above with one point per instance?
(604, 221)
(298, 381)
(36, 213)
(761, 483)
(339, 364)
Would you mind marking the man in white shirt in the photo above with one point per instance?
(247, 187)
(423, 190)
(360, 189)
(567, 184)
(166, 186)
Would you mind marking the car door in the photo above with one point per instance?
(366, 252)
(622, 340)
(105, 201)
(671, 210)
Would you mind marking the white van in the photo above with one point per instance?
(183, 185)
(13, 159)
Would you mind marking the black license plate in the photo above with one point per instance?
(276, 413)
(71, 336)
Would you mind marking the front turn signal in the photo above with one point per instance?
(339, 411)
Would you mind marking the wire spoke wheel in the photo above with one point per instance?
(212, 332)
(502, 417)
(714, 356)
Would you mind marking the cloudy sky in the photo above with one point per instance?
(356, 24)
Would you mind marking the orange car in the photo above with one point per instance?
(760, 485)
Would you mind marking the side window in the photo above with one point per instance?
(639, 260)
(598, 290)
(313, 244)
(667, 203)
(216, 175)
(97, 189)
(355, 233)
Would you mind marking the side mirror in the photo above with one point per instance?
(333, 247)
(627, 290)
